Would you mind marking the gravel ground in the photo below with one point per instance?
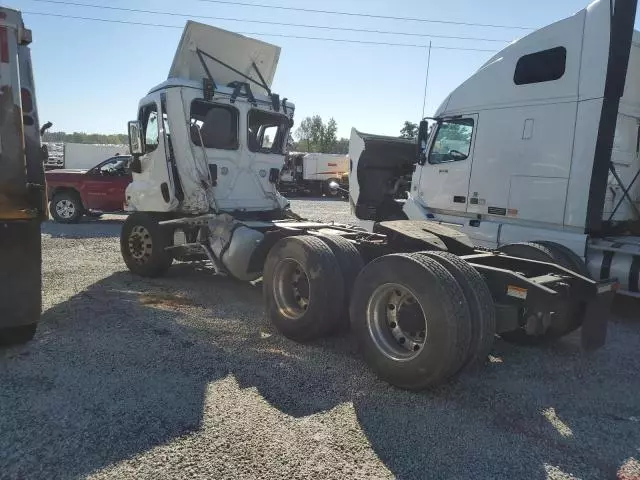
(182, 377)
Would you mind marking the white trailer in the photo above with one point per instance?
(541, 144)
(313, 173)
(425, 305)
(83, 156)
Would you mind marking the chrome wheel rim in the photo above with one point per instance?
(65, 208)
(396, 322)
(291, 289)
(140, 244)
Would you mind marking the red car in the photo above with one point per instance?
(73, 193)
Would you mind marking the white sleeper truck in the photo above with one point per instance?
(421, 299)
(537, 154)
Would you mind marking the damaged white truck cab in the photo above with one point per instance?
(211, 137)
(208, 149)
(542, 144)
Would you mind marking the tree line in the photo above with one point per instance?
(82, 137)
(313, 135)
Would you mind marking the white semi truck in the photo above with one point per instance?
(421, 299)
(541, 144)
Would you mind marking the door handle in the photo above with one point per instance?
(443, 170)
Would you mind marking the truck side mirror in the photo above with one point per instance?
(136, 147)
(423, 136)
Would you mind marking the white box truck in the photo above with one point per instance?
(313, 173)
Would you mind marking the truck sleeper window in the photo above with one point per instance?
(452, 142)
(214, 126)
(267, 131)
(543, 66)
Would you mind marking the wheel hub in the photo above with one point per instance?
(396, 322)
(140, 244)
(291, 289)
(65, 209)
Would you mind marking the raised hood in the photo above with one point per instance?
(230, 49)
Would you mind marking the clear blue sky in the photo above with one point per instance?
(90, 75)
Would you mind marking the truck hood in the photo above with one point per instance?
(230, 49)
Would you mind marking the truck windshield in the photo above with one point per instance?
(267, 131)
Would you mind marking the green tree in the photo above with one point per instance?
(409, 130)
(313, 135)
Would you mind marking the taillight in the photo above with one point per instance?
(4, 45)
(27, 102)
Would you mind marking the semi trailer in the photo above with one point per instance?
(422, 300)
(23, 201)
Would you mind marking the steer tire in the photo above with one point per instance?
(567, 321)
(74, 209)
(350, 263)
(303, 288)
(480, 300)
(443, 308)
(143, 245)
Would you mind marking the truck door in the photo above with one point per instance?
(444, 178)
(152, 188)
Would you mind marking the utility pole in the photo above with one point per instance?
(426, 80)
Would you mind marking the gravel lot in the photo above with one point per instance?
(182, 377)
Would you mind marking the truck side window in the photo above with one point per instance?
(149, 119)
(452, 142)
(267, 131)
(214, 126)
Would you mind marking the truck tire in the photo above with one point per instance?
(350, 263)
(480, 300)
(66, 207)
(143, 245)
(327, 189)
(21, 280)
(303, 288)
(567, 258)
(405, 313)
(568, 320)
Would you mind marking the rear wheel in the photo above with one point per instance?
(303, 288)
(66, 207)
(572, 314)
(405, 312)
(143, 245)
(330, 192)
(480, 300)
(350, 263)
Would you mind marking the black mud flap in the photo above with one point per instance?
(596, 319)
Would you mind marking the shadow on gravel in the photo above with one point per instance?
(87, 228)
(115, 371)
